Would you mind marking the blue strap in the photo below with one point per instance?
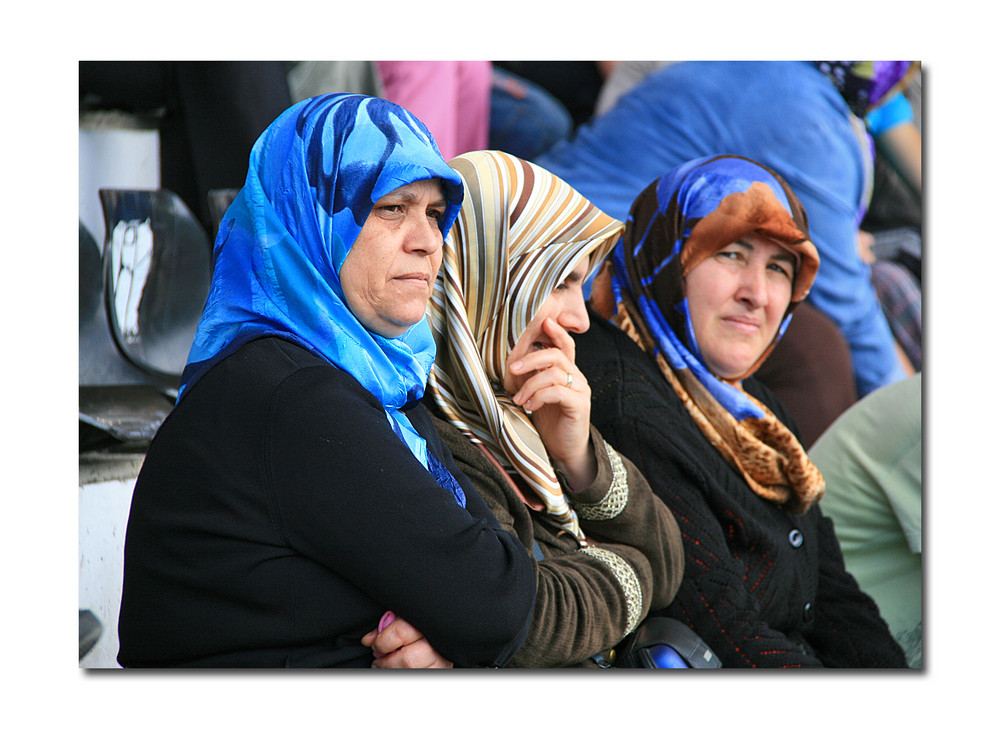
(538, 552)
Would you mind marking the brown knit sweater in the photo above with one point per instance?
(587, 599)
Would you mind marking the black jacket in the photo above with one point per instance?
(277, 516)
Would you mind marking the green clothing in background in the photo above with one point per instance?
(871, 460)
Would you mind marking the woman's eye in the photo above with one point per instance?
(781, 269)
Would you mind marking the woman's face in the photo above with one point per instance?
(737, 299)
(389, 272)
(566, 306)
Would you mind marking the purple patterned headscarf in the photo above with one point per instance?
(863, 84)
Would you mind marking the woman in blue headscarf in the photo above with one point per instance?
(715, 257)
(298, 495)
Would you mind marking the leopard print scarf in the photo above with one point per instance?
(768, 454)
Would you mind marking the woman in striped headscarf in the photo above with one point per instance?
(715, 256)
(515, 410)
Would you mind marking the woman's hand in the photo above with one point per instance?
(400, 645)
(557, 396)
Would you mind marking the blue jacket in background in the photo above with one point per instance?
(784, 114)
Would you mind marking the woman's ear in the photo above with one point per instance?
(602, 300)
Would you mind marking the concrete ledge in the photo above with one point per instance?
(101, 466)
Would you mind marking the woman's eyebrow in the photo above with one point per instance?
(785, 255)
(782, 254)
(408, 196)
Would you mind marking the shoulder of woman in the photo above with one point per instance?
(273, 362)
(314, 399)
(601, 342)
(655, 432)
(308, 376)
(468, 456)
(605, 352)
(462, 449)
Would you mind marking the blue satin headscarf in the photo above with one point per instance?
(314, 176)
(647, 260)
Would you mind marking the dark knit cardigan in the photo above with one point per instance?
(762, 587)
(581, 606)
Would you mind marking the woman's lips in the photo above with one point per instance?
(745, 323)
(417, 278)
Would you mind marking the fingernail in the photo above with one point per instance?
(516, 366)
(387, 618)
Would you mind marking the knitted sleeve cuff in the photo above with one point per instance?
(616, 497)
(627, 579)
(610, 485)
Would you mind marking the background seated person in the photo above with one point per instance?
(871, 459)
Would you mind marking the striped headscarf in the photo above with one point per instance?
(521, 231)
(678, 221)
(314, 176)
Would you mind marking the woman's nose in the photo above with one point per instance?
(424, 235)
(574, 316)
(753, 286)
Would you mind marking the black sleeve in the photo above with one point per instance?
(350, 495)
(849, 631)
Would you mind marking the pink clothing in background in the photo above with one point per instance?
(451, 97)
